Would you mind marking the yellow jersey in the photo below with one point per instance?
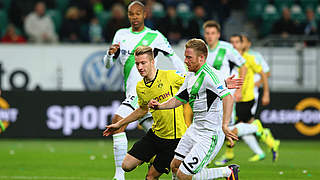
(167, 124)
(248, 83)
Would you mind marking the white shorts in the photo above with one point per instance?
(256, 97)
(196, 151)
(128, 106)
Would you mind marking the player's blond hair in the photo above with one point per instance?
(199, 46)
(212, 23)
(144, 50)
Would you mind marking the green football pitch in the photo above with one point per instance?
(93, 160)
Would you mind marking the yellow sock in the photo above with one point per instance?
(268, 138)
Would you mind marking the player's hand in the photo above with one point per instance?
(234, 83)
(110, 129)
(153, 104)
(230, 136)
(237, 95)
(265, 99)
(113, 48)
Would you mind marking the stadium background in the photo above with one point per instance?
(55, 94)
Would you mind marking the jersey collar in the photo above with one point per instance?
(149, 84)
(138, 32)
(201, 68)
(214, 49)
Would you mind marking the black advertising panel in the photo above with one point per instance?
(61, 114)
(43, 114)
(293, 115)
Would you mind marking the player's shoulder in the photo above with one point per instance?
(140, 85)
(225, 44)
(122, 31)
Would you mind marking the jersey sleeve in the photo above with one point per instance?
(164, 47)
(216, 84)
(251, 63)
(109, 60)
(183, 95)
(235, 57)
(177, 78)
(264, 64)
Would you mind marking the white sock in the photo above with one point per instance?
(147, 124)
(246, 128)
(212, 173)
(252, 142)
(120, 146)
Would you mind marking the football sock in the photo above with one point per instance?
(212, 173)
(245, 128)
(229, 154)
(267, 138)
(252, 142)
(120, 146)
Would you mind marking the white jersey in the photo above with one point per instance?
(129, 41)
(223, 57)
(204, 91)
(261, 61)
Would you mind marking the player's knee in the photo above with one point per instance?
(182, 176)
(126, 167)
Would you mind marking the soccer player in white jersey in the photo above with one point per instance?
(222, 56)
(211, 104)
(122, 49)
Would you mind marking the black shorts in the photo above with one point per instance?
(151, 145)
(243, 111)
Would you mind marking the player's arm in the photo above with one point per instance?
(266, 92)
(135, 115)
(169, 104)
(113, 51)
(227, 112)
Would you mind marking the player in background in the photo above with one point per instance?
(222, 56)
(246, 125)
(122, 50)
(211, 104)
(257, 79)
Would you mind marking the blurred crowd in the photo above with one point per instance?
(96, 21)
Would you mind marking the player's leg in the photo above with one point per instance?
(193, 166)
(120, 147)
(185, 145)
(246, 128)
(120, 142)
(164, 156)
(130, 163)
(142, 151)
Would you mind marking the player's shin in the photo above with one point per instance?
(120, 146)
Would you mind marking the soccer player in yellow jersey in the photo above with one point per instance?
(246, 125)
(168, 126)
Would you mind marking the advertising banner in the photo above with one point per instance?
(64, 114)
(293, 115)
(41, 114)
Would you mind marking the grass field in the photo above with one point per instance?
(93, 160)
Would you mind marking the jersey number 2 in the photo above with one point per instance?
(195, 161)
